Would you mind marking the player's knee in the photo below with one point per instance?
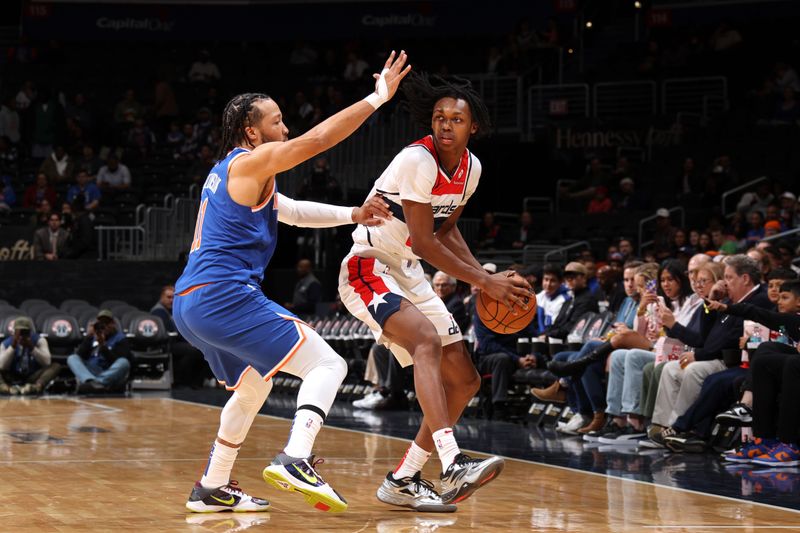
(339, 366)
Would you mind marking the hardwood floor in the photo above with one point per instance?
(70, 464)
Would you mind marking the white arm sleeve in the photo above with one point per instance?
(416, 174)
(41, 352)
(312, 214)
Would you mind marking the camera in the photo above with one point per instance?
(25, 333)
(99, 327)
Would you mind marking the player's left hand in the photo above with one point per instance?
(374, 211)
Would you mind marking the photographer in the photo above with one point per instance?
(25, 359)
(102, 362)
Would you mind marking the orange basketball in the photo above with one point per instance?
(498, 318)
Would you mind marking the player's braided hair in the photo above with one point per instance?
(239, 113)
(422, 91)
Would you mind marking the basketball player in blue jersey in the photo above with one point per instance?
(245, 337)
(381, 282)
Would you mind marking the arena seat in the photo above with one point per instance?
(109, 304)
(68, 305)
(28, 304)
(151, 367)
(41, 315)
(8, 324)
(63, 335)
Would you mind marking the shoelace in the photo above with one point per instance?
(233, 488)
(310, 467)
(424, 486)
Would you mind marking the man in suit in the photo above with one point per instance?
(50, 243)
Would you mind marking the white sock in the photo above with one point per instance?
(220, 464)
(446, 446)
(412, 462)
(304, 430)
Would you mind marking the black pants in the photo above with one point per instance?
(501, 366)
(776, 392)
(189, 366)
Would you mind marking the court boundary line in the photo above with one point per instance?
(607, 476)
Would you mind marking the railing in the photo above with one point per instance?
(503, 97)
(727, 194)
(561, 252)
(694, 94)
(536, 253)
(120, 243)
(645, 220)
(537, 204)
(557, 101)
(781, 235)
(469, 228)
(623, 98)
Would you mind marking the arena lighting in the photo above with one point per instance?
(637, 5)
(588, 23)
(570, 50)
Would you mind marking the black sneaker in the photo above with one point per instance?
(738, 415)
(465, 475)
(226, 498)
(609, 428)
(685, 443)
(627, 436)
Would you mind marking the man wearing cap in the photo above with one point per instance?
(664, 235)
(582, 302)
(552, 297)
(101, 363)
(25, 360)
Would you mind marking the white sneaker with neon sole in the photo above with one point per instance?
(293, 474)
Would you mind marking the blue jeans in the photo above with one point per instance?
(586, 395)
(625, 381)
(113, 376)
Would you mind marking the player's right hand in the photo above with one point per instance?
(509, 289)
(392, 74)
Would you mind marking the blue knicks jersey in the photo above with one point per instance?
(231, 242)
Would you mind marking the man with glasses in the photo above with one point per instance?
(50, 243)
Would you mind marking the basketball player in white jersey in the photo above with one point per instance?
(381, 282)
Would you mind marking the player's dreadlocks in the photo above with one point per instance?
(239, 113)
(423, 91)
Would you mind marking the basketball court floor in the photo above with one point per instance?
(128, 464)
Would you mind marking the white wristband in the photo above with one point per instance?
(374, 100)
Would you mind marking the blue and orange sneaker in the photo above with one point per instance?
(781, 455)
(750, 450)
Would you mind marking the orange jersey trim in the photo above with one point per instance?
(192, 289)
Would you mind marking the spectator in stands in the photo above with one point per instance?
(87, 189)
(525, 233)
(203, 124)
(581, 302)
(681, 380)
(128, 109)
(25, 363)
(174, 138)
(51, 243)
(771, 228)
(165, 105)
(689, 182)
(628, 198)
(552, 297)
(725, 37)
(9, 120)
(760, 257)
(39, 191)
(550, 36)
(489, 233)
(140, 139)
(445, 285)
(114, 174)
(584, 188)
(321, 186)
(354, 68)
(664, 234)
(786, 256)
(623, 169)
(82, 234)
(610, 292)
(9, 154)
(58, 167)
(42, 216)
(724, 174)
(47, 115)
(26, 96)
(79, 111)
(102, 361)
(88, 161)
(189, 367)
(625, 247)
(188, 147)
(787, 111)
(775, 279)
(755, 231)
(201, 166)
(204, 70)
(785, 77)
(307, 291)
(600, 202)
(757, 200)
(7, 195)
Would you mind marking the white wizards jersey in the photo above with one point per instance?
(415, 174)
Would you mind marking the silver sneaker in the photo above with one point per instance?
(412, 492)
(466, 475)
